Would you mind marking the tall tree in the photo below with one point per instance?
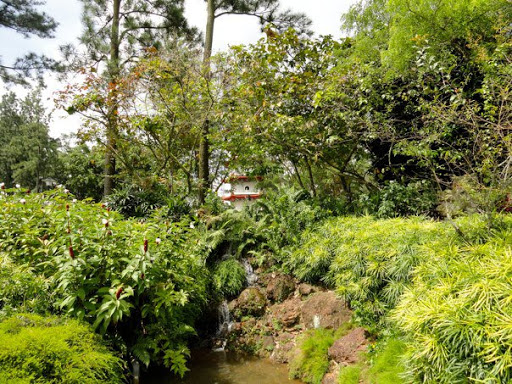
(22, 16)
(267, 11)
(27, 152)
(117, 32)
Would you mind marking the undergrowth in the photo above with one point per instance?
(39, 349)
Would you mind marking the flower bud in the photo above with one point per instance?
(23, 201)
(158, 240)
(67, 207)
(71, 252)
(118, 292)
(145, 245)
(105, 222)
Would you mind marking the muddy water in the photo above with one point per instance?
(208, 367)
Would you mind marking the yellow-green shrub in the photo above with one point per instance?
(39, 349)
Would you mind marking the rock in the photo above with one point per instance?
(251, 302)
(346, 349)
(306, 289)
(284, 345)
(267, 343)
(331, 377)
(280, 287)
(324, 310)
(286, 314)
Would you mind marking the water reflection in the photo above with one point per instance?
(208, 367)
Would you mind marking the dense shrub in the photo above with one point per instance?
(229, 277)
(21, 290)
(368, 261)
(457, 314)
(49, 350)
(142, 284)
(312, 361)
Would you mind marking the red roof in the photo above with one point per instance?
(248, 196)
(240, 177)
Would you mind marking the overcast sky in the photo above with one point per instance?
(229, 30)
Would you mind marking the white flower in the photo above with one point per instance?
(59, 186)
(23, 201)
(75, 200)
(192, 225)
(2, 185)
(158, 240)
(18, 186)
(104, 221)
(66, 190)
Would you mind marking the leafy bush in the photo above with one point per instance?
(368, 261)
(395, 199)
(21, 290)
(229, 277)
(135, 201)
(312, 362)
(142, 284)
(457, 315)
(49, 350)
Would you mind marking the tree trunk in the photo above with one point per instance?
(112, 123)
(204, 150)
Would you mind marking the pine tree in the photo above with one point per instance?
(23, 17)
(117, 32)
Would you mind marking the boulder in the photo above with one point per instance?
(280, 287)
(324, 310)
(285, 314)
(251, 302)
(331, 377)
(283, 348)
(306, 289)
(346, 349)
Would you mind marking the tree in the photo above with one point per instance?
(267, 11)
(117, 32)
(23, 17)
(27, 152)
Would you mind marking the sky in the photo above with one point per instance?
(229, 30)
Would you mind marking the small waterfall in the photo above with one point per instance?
(250, 276)
(225, 326)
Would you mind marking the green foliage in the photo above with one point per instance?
(312, 362)
(142, 284)
(21, 290)
(457, 315)
(371, 262)
(229, 277)
(350, 374)
(395, 200)
(50, 350)
(135, 201)
(27, 152)
(387, 365)
(83, 171)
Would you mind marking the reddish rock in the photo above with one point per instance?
(324, 310)
(286, 314)
(346, 349)
(331, 377)
(280, 287)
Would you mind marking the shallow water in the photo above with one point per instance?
(208, 367)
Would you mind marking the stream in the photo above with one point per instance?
(207, 367)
